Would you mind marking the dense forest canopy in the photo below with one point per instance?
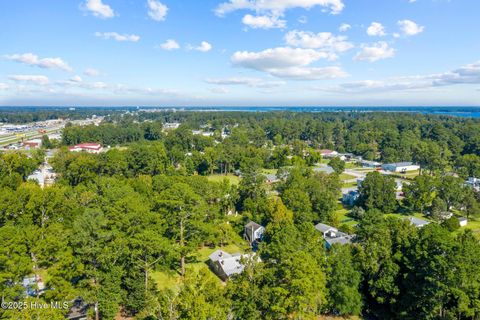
(128, 230)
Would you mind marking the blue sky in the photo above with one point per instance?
(240, 52)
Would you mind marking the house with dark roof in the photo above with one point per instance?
(78, 310)
(351, 197)
(253, 232)
(333, 236)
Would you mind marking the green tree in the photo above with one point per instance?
(378, 192)
(343, 282)
(337, 164)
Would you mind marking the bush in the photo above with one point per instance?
(451, 224)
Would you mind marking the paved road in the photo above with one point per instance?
(12, 138)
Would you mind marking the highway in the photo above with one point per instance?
(31, 134)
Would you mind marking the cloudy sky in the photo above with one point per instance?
(240, 52)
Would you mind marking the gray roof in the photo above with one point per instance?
(324, 227)
(326, 169)
(400, 164)
(462, 219)
(232, 265)
(253, 225)
(418, 222)
(340, 240)
(218, 255)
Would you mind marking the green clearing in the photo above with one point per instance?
(473, 225)
(172, 280)
(269, 171)
(346, 176)
(349, 184)
(233, 179)
(351, 165)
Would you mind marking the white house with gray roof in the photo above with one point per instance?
(419, 223)
(226, 265)
(333, 236)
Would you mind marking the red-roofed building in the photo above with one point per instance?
(87, 147)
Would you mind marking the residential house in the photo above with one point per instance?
(226, 265)
(370, 164)
(253, 232)
(328, 153)
(463, 222)
(333, 236)
(32, 144)
(171, 125)
(350, 198)
(473, 183)
(272, 178)
(400, 167)
(78, 310)
(419, 223)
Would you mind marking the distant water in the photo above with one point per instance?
(469, 112)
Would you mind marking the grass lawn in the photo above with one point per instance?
(43, 273)
(349, 185)
(342, 217)
(402, 216)
(346, 176)
(233, 179)
(269, 171)
(172, 280)
(473, 225)
(351, 165)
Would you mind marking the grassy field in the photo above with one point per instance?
(346, 176)
(233, 179)
(172, 280)
(349, 184)
(342, 217)
(473, 225)
(269, 171)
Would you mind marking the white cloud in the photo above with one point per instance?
(91, 72)
(76, 79)
(376, 29)
(277, 7)
(303, 19)
(169, 45)
(3, 86)
(286, 62)
(157, 10)
(322, 40)
(344, 27)
(99, 9)
(245, 81)
(375, 52)
(203, 47)
(469, 74)
(410, 28)
(34, 79)
(117, 36)
(264, 22)
(46, 63)
(220, 90)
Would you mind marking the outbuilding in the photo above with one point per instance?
(400, 167)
